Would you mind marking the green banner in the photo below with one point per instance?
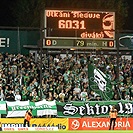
(3, 107)
(93, 108)
(18, 108)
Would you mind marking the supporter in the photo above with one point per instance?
(77, 90)
(19, 72)
(116, 96)
(98, 98)
(68, 93)
(75, 98)
(24, 93)
(56, 96)
(50, 96)
(30, 87)
(2, 96)
(84, 95)
(93, 95)
(10, 96)
(35, 82)
(62, 95)
(51, 87)
(58, 89)
(33, 91)
(35, 97)
(17, 96)
(26, 79)
(44, 91)
(16, 88)
(30, 96)
(6, 90)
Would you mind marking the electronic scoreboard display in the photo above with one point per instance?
(79, 28)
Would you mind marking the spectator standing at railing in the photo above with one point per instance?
(84, 95)
(2, 96)
(10, 96)
(17, 96)
(62, 95)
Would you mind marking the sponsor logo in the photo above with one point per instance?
(75, 124)
(59, 126)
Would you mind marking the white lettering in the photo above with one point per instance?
(84, 124)
(94, 124)
(97, 109)
(2, 42)
(81, 110)
(121, 110)
(129, 108)
(101, 124)
(104, 109)
(90, 110)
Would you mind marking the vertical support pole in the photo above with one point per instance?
(41, 47)
(117, 46)
(117, 68)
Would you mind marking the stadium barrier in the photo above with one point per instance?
(64, 124)
(99, 123)
(60, 123)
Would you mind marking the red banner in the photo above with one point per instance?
(99, 124)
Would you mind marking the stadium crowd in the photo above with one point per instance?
(64, 78)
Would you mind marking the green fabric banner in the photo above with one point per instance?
(93, 108)
(3, 107)
(100, 83)
(18, 108)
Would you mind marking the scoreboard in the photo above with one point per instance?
(74, 28)
(74, 43)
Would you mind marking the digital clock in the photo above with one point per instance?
(71, 24)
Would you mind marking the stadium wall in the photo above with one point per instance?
(68, 123)
(14, 39)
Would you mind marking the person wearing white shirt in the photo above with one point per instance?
(17, 96)
(84, 95)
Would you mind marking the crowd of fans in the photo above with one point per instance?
(64, 78)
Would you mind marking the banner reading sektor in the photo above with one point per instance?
(93, 108)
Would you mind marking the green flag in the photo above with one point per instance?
(100, 83)
(3, 107)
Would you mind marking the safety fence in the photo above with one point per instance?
(9, 124)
